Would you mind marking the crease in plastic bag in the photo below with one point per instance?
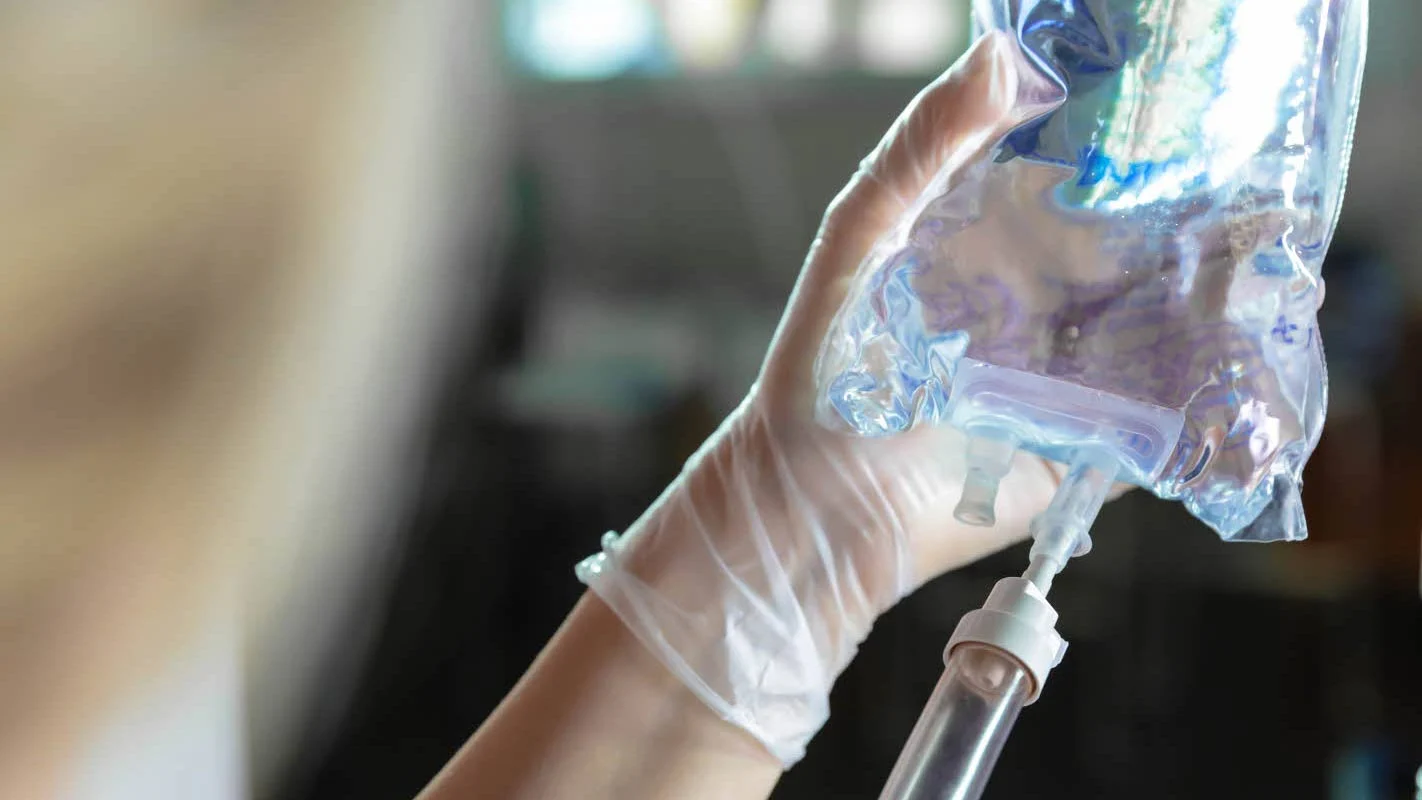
(1141, 257)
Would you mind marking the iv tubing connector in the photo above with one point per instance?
(1000, 655)
(1063, 530)
(989, 460)
(1017, 620)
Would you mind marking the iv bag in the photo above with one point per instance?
(1133, 272)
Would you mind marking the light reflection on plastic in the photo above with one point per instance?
(909, 36)
(1258, 60)
(1168, 68)
(1258, 64)
(581, 39)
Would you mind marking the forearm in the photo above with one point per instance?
(597, 716)
(756, 574)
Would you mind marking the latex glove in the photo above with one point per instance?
(760, 569)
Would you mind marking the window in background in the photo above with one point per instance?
(600, 39)
(800, 33)
(910, 37)
(709, 35)
(581, 39)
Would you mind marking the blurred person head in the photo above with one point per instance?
(221, 278)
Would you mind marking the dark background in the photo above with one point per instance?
(653, 224)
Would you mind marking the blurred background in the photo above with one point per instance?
(400, 306)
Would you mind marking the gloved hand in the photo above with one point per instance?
(760, 569)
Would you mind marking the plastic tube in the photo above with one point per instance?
(1000, 655)
(1064, 529)
(957, 739)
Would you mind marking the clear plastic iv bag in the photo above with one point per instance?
(1133, 270)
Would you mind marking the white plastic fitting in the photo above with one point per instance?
(989, 459)
(1018, 620)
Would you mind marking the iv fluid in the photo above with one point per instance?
(1134, 271)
